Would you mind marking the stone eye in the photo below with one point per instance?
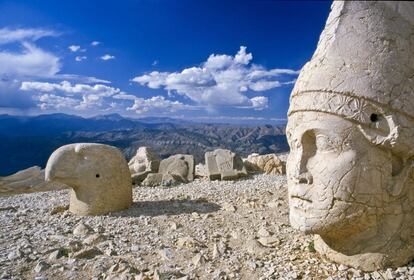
(97, 175)
(374, 118)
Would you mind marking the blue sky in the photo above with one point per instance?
(199, 60)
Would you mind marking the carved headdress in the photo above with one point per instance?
(363, 71)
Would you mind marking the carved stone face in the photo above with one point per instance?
(337, 180)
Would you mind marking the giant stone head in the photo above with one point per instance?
(351, 134)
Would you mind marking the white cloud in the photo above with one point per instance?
(95, 43)
(142, 105)
(31, 62)
(259, 102)
(52, 101)
(71, 96)
(8, 35)
(221, 80)
(71, 89)
(155, 62)
(80, 58)
(107, 57)
(74, 48)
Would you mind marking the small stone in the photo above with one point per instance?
(390, 274)
(94, 239)
(41, 266)
(173, 225)
(59, 209)
(263, 232)
(198, 260)
(228, 207)
(195, 215)
(270, 241)
(342, 267)
(57, 254)
(166, 254)
(88, 253)
(81, 230)
(14, 255)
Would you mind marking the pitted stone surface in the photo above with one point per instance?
(269, 164)
(98, 175)
(224, 165)
(351, 130)
(144, 162)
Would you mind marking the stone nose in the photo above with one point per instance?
(303, 178)
(301, 174)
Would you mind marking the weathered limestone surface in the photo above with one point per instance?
(98, 175)
(351, 130)
(144, 162)
(200, 170)
(27, 181)
(269, 164)
(180, 166)
(224, 165)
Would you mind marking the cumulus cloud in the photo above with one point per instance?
(74, 48)
(107, 57)
(9, 35)
(32, 61)
(221, 80)
(66, 95)
(80, 58)
(72, 96)
(69, 88)
(95, 43)
(142, 105)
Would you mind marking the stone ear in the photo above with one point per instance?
(382, 130)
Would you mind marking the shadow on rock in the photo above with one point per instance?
(168, 207)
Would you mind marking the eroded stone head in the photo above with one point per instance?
(98, 175)
(350, 130)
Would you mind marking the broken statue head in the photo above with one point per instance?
(351, 130)
(97, 174)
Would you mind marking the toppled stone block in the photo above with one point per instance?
(269, 164)
(144, 162)
(181, 167)
(27, 181)
(224, 165)
(98, 175)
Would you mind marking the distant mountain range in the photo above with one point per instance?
(28, 141)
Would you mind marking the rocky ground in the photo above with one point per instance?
(201, 230)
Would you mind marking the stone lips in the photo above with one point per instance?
(98, 175)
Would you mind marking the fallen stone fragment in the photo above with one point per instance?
(224, 165)
(81, 229)
(269, 164)
(143, 163)
(181, 167)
